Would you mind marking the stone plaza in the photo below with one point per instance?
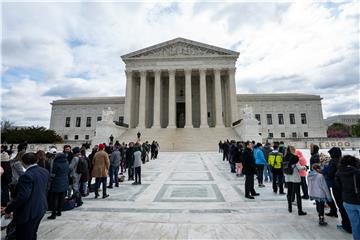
(188, 196)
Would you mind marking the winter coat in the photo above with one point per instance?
(348, 180)
(237, 158)
(249, 167)
(275, 159)
(129, 162)
(318, 189)
(115, 158)
(330, 169)
(302, 162)
(101, 164)
(86, 175)
(137, 158)
(315, 157)
(73, 166)
(259, 156)
(59, 174)
(294, 162)
(6, 177)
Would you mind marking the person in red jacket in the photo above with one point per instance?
(303, 174)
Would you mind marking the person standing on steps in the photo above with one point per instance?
(318, 191)
(137, 164)
(292, 178)
(249, 170)
(129, 161)
(100, 170)
(260, 163)
(275, 162)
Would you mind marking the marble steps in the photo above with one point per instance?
(182, 139)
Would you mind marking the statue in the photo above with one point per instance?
(108, 115)
(138, 136)
(247, 112)
(111, 138)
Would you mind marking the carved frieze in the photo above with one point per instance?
(180, 49)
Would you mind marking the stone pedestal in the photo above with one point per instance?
(104, 130)
(248, 130)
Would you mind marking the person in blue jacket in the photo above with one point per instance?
(260, 163)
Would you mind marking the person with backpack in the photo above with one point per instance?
(348, 180)
(275, 162)
(291, 169)
(59, 182)
(75, 176)
(318, 191)
(249, 170)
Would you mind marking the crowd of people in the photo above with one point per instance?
(57, 180)
(331, 181)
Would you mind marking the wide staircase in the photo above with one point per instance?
(182, 139)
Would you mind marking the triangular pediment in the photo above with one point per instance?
(180, 47)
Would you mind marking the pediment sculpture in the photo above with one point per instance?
(108, 115)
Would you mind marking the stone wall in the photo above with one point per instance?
(301, 143)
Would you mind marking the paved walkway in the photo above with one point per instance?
(188, 196)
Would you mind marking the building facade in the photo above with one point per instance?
(186, 84)
(349, 119)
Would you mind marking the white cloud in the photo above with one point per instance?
(304, 47)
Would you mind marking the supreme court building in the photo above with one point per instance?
(183, 84)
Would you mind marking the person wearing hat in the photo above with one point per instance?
(75, 176)
(101, 164)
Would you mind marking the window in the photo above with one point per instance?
(282, 135)
(65, 137)
(67, 122)
(78, 121)
(271, 135)
(303, 118)
(257, 116)
(281, 118)
(292, 118)
(86, 137)
(88, 121)
(306, 134)
(121, 119)
(269, 119)
(76, 137)
(294, 135)
(98, 118)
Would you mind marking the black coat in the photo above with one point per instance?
(30, 201)
(59, 174)
(346, 178)
(249, 166)
(237, 158)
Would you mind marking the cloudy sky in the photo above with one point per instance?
(53, 51)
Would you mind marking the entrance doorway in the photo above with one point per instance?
(180, 115)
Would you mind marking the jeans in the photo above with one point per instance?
(304, 187)
(260, 173)
(320, 205)
(84, 187)
(345, 221)
(98, 181)
(232, 167)
(249, 185)
(353, 211)
(131, 172)
(268, 173)
(239, 167)
(278, 176)
(113, 174)
(294, 189)
(138, 174)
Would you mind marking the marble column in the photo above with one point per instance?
(218, 99)
(188, 102)
(128, 98)
(172, 100)
(142, 100)
(203, 102)
(156, 123)
(233, 96)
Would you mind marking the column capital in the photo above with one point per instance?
(171, 70)
(232, 69)
(202, 70)
(128, 71)
(157, 72)
(217, 70)
(143, 72)
(187, 70)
